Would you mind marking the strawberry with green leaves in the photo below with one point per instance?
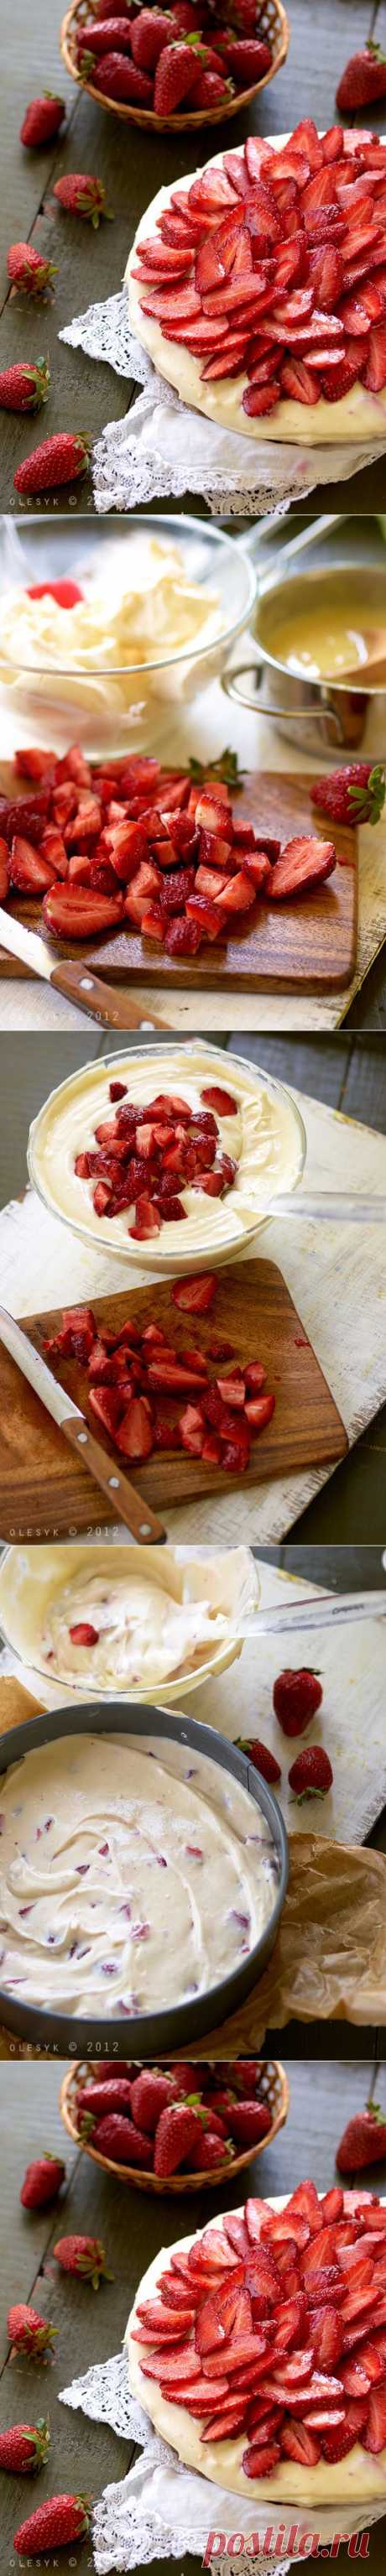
(355, 794)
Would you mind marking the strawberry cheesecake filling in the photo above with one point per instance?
(258, 2347)
(152, 1147)
(131, 1876)
(259, 287)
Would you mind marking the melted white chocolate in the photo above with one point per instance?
(133, 1875)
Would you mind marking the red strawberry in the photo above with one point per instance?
(248, 60)
(42, 2181)
(117, 78)
(116, 2138)
(28, 272)
(352, 795)
(298, 2443)
(42, 119)
(28, 2332)
(303, 863)
(27, 869)
(195, 1295)
(71, 914)
(150, 2095)
(374, 2435)
(210, 91)
(363, 80)
(296, 1697)
(177, 2132)
(249, 2122)
(60, 2520)
(208, 2152)
(363, 2142)
(135, 1434)
(24, 2447)
(337, 2442)
(84, 2256)
(311, 1775)
(60, 459)
(151, 31)
(261, 1756)
(175, 76)
(326, 2336)
(80, 194)
(24, 387)
(95, 2100)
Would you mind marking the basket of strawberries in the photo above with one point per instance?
(191, 63)
(176, 2128)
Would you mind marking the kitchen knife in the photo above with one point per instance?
(73, 977)
(129, 1506)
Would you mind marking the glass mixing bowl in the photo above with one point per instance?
(32, 1577)
(51, 1158)
(114, 707)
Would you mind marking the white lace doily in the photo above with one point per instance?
(143, 457)
(163, 2510)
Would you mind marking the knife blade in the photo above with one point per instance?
(75, 978)
(136, 1515)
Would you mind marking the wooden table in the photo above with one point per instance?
(132, 164)
(86, 2456)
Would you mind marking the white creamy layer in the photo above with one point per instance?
(358, 416)
(131, 1876)
(263, 1138)
(144, 1636)
(161, 613)
(358, 2479)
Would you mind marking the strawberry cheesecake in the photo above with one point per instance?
(140, 1149)
(258, 2348)
(135, 1873)
(258, 286)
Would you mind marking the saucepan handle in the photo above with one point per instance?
(273, 708)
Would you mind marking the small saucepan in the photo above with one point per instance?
(319, 715)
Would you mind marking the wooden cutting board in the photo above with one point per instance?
(45, 1492)
(308, 944)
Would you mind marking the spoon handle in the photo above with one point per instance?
(331, 1207)
(330, 1610)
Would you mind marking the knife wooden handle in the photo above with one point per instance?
(113, 1007)
(137, 1515)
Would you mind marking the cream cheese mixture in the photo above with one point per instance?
(98, 641)
(132, 1875)
(126, 1618)
(141, 1634)
(263, 1138)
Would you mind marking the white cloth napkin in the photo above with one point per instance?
(143, 457)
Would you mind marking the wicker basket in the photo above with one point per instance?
(275, 2090)
(273, 26)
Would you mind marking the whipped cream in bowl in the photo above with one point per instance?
(125, 1619)
(152, 626)
(143, 1869)
(260, 1148)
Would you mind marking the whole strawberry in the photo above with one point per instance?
(311, 1774)
(29, 274)
(363, 80)
(209, 2151)
(364, 2140)
(150, 2095)
(24, 2447)
(210, 90)
(242, 15)
(352, 795)
(60, 459)
(177, 70)
(178, 2131)
(151, 31)
(23, 387)
(42, 119)
(248, 60)
(81, 194)
(61, 2519)
(249, 2122)
(29, 2333)
(42, 2181)
(296, 1697)
(95, 2100)
(115, 77)
(117, 2138)
(261, 1756)
(84, 2256)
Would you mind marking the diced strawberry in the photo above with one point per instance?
(232, 1389)
(31, 873)
(259, 1410)
(195, 1295)
(183, 937)
(206, 915)
(256, 866)
(237, 896)
(153, 924)
(193, 1430)
(147, 1219)
(143, 886)
(135, 1432)
(107, 1404)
